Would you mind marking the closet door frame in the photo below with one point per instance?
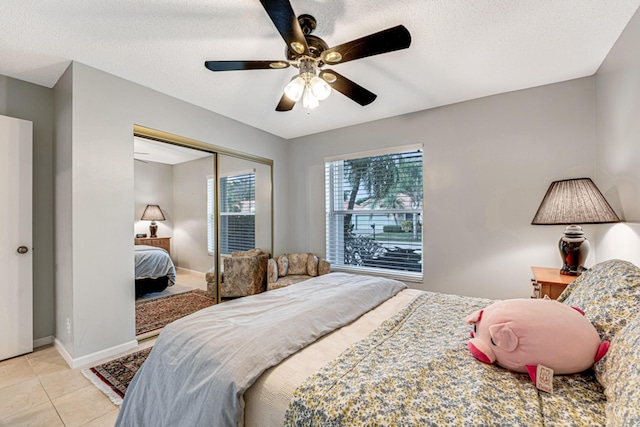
(216, 151)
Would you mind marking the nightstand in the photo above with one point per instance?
(549, 281)
(160, 242)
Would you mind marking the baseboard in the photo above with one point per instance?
(186, 270)
(40, 342)
(94, 358)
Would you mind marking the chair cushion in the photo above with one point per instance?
(272, 270)
(283, 265)
(297, 263)
(286, 281)
(312, 265)
(324, 267)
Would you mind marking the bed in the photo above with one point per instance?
(154, 269)
(303, 355)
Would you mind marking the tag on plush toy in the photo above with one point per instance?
(544, 378)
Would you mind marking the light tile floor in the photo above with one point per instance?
(39, 388)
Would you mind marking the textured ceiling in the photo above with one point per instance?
(461, 50)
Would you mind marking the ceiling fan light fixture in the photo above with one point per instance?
(320, 88)
(309, 100)
(295, 88)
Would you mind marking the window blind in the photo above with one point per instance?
(237, 213)
(374, 212)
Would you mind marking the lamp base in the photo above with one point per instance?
(574, 250)
(153, 229)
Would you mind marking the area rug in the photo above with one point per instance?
(113, 377)
(156, 313)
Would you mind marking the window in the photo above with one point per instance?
(237, 213)
(374, 212)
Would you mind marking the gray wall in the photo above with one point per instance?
(35, 103)
(153, 185)
(105, 109)
(190, 211)
(63, 178)
(618, 145)
(181, 192)
(487, 166)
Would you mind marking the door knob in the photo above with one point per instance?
(23, 249)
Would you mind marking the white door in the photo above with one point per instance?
(16, 285)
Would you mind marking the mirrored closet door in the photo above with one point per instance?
(213, 201)
(244, 206)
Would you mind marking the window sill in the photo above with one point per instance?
(406, 277)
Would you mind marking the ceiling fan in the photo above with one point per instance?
(310, 54)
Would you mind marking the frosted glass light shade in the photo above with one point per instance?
(294, 89)
(309, 100)
(320, 88)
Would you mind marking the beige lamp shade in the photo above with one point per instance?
(152, 213)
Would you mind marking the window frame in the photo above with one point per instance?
(335, 212)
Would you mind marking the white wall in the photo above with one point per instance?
(487, 166)
(618, 145)
(104, 111)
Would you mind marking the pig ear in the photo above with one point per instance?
(503, 336)
(474, 317)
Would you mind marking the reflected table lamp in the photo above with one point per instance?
(571, 202)
(152, 213)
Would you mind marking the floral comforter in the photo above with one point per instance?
(415, 369)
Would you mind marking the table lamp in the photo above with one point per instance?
(571, 202)
(152, 213)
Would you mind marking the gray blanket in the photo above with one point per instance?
(152, 262)
(201, 365)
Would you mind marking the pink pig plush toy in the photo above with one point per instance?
(520, 334)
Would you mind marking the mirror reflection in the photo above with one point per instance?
(181, 195)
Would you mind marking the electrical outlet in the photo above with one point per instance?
(68, 326)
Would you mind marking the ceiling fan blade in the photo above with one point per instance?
(388, 40)
(285, 20)
(245, 65)
(285, 104)
(348, 88)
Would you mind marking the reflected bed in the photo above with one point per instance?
(154, 269)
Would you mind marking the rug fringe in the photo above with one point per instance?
(102, 386)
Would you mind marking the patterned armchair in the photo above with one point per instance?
(245, 273)
(293, 268)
